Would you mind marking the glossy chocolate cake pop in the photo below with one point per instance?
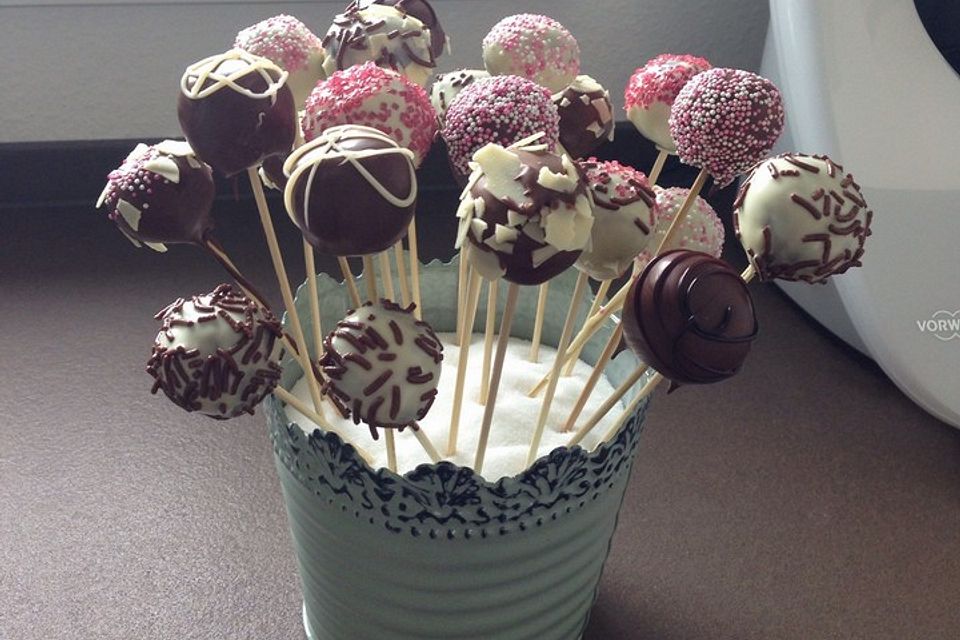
(801, 217)
(690, 317)
(534, 47)
(624, 216)
(382, 366)
(447, 86)
(586, 116)
(290, 45)
(216, 353)
(422, 11)
(526, 212)
(160, 195)
(235, 110)
(381, 34)
(351, 191)
(725, 121)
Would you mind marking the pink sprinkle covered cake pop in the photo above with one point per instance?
(652, 90)
(725, 121)
(370, 96)
(290, 45)
(500, 110)
(534, 47)
(701, 229)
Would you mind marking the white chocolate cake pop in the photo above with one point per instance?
(216, 353)
(382, 366)
(290, 45)
(586, 116)
(448, 86)
(801, 217)
(534, 47)
(701, 229)
(381, 34)
(623, 218)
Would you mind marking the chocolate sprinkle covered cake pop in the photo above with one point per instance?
(370, 96)
(161, 194)
(382, 366)
(526, 212)
(290, 45)
(690, 317)
(447, 86)
(422, 11)
(534, 47)
(586, 116)
(623, 218)
(381, 34)
(725, 121)
(700, 230)
(801, 217)
(652, 90)
(216, 353)
(351, 191)
(500, 110)
(235, 110)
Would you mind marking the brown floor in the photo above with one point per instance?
(806, 498)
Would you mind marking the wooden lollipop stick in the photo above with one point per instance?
(578, 292)
(391, 450)
(492, 294)
(463, 278)
(598, 368)
(506, 322)
(350, 280)
(268, 231)
(415, 268)
(370, 278)
(538, 321)
(648, 388)
(310, 264)
(607, 405)
(402, 273)
(466, 328)
(657, 167)
(597, 301)
(386, 275)
(427, 444)
(292, 400)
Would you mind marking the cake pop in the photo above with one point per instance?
(290, 45)
(381, 34)
(801, 217)
(216, 353)
(447, 86)
(527, 214)
(586, 116)
(502, 110)
(382, 366)
(690, 317)
(161, 194)
(534, 47)
(623, 218)
(235, 110)
(422, 11)
(726, 120)
(652, 90)
(352, 190)
(700, 230)
(380, 98)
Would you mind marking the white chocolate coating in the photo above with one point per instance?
(534, 47)
(701, 229)
(447, 86)
(289, 44)
(801, 217)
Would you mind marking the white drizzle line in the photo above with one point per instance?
(206, 69)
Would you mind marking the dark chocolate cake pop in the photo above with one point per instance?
(690, 317)
(235, 110)
(161, 195)
(419, 9)
(586, 116)
(352, 190)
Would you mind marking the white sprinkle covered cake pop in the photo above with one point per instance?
(651, 91)
(216, 353)
(801, 217)
(623, 218)
(381, 34)
(700, 230)
(534, 47)
(382, 366)
(448, 86)
(290, 45)
(586, 116)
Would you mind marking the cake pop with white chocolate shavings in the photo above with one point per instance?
(586, 116)
(216, 353)
(534, 47)
(382, 366)
(290, 45)
(801, 217)
(419, 9)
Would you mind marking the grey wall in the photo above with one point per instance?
(80, 71)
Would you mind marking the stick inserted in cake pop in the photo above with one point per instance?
(542, 292)
(404, 279)
(493, 292)
(472, 297)
(350, 281)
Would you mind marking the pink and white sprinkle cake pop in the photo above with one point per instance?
(701, 229)
(502, 110)
(534, 47)
(725, 121)
(290, 45)
(651, 91)
(370, 96)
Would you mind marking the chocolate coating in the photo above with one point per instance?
(586, 116)
(235, 110)
(419, 9)
(690, 317)
(352, 191)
